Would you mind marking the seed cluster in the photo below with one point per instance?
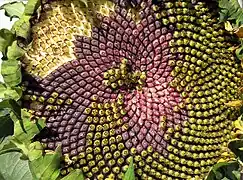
(149, 86)
(121, 77)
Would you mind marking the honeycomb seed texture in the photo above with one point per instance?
(137, 79)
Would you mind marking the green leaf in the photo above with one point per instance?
(14, 168)
(231, 10)
(235, 145)
(236, 174)
(228, 26)
(6, 39)
(9, 105)
(4, 141)
(13, 9)
(35, 150)
(14, 93)
(130, 175)
(46, 167)
(7, 146)
(6, 126)
(25, 132)
(22, 26)
(223, 170)
(11, 72)
(75, 174)
(3, 89)
(14, 51)
(31, 7)
(223, 3)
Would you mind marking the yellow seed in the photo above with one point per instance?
(120, 82)
(141, 81)
(94, 97)
(106, 82)
(125, 127)
(114, 85)
(123, 71)
(124, 61)
(109, 118)
(100, 106)
(94, 105)
(107, 105)
(121, 146)
(49, 107)
(113, 104)
(87, 110)
(112, 79)
(107, 112)
(123, 112)
(111, 71)
(101, 112)
(100, 177)
(94, 112)
(89, 119)
(69, 101)
(120, 101)
(106, 170)
(117, 115)
(133, 150)
(106, 75)
(54, 94)
(115, 109)
(101, 163)
(59, 101)
(102, 120)
(41, 99)
(54, 108)
(33, 97)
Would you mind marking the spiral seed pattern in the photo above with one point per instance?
(148, 82)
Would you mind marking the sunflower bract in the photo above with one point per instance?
(146, 80)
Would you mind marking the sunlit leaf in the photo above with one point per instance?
(13, 9)
(130, 175)
(235, 145)
(228, 26)
(47, 166)
(231, 10)
(35, 150)
(223, 170)
(7, 92)
(31, 7)
(3, 89)
(11, 106)
(11, 72)
(14, 168)
(6, 39)
(239, 124)
(24, 133)
(14, 51)
(237, 174)
(22, 27)
(6, 145)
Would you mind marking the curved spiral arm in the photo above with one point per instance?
(149, 82)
